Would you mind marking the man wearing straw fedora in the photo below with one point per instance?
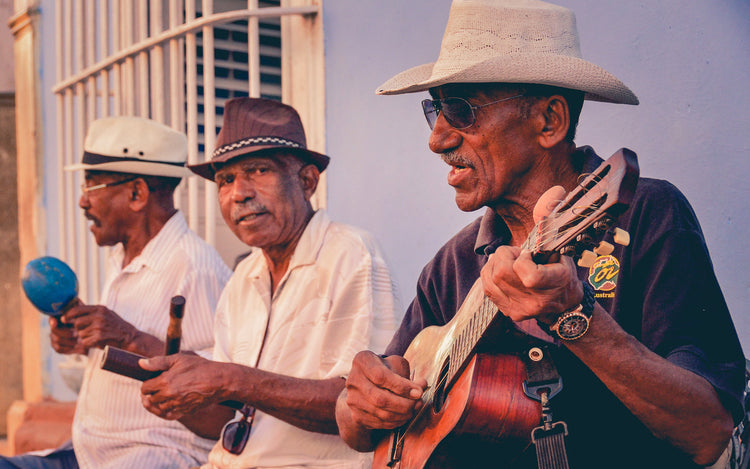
(132, 167)
(311, 294)
(646, 369)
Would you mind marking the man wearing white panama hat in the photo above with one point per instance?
(652, 372)
(132, 166)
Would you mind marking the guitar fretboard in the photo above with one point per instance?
(467, 339)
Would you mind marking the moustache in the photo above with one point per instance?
(248, 207)
(454, 159)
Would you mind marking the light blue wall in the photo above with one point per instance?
(687, 60)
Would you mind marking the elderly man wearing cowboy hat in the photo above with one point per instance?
(294, 312)
(646, 369)
(131, 168)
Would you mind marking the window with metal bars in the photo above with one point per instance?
(231, 65)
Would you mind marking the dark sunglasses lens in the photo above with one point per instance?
(430, 112)
(457, 112)
(235, 436)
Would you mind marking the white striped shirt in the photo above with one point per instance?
(336, 299)
(111, 428)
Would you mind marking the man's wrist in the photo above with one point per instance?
(572, 323)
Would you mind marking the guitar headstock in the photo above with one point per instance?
(579, 222)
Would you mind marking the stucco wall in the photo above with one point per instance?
(10, 335)
(6, 49)
(11, 387)
(687, 60)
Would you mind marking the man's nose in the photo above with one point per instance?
(243, 188)
(83, 201)
(444, 137)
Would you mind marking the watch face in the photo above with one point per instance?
(573, 326)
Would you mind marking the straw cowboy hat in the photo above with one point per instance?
(511, 41)
(134, 145)
(253, 125)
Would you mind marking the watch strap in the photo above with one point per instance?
(588, 301)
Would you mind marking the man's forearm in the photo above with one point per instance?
(675, 404)
(208, 421)
(305, 403)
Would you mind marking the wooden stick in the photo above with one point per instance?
(174, 331)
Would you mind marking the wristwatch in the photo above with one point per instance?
(573, 323)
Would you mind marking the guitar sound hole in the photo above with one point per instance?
(440, 393)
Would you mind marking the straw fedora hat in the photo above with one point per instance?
(253, 125)
(134, 145)
(511, 41)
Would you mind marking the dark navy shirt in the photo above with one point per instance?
(666, 295)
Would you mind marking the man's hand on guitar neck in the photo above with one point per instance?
(523, 289)
(378, 396)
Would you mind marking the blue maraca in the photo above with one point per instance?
(50, 285)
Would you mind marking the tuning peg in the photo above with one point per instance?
(568, 250)
(621, 237)
(587, 259)
(604, 248)
(603, 224)
(585, 239)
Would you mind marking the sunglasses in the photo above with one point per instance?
(235, 433)
(457, 111)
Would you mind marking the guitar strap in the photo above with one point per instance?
(542, 384)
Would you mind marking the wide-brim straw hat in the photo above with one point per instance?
(258, 126)
(511, 41)
(135, 145)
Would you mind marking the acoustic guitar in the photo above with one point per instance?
(476, 396)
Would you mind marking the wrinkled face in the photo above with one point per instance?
(263, 199)
(107, 207)
(491, 159)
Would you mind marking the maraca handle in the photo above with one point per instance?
(75, 301)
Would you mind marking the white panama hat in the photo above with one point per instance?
(511, 41)
(134, 145)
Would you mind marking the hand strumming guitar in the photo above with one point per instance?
(378, 396)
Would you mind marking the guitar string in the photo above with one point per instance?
(580, 184)
(486, 307)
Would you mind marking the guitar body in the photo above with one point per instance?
(487, 401)
(481, 396)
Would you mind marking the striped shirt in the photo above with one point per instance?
(111, 429)
(336, 298)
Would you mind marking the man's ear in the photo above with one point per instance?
(554, 120)
(309, 175)
(139, 195)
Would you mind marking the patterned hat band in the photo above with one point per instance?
(255, 141)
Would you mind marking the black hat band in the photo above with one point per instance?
(95, 158)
